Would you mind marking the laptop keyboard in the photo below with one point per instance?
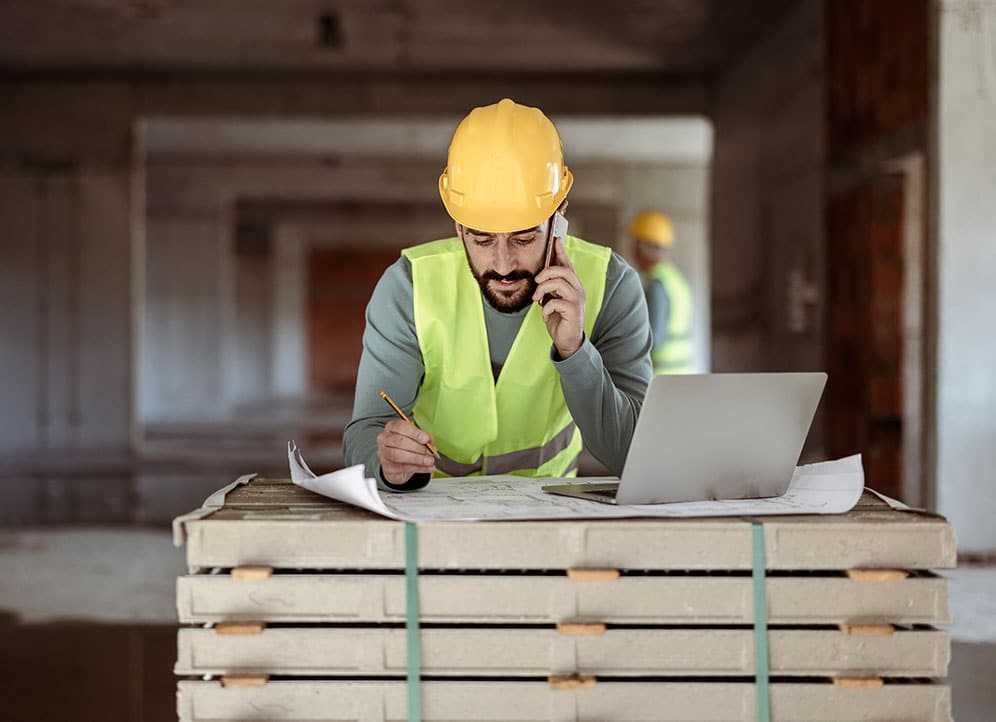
(607, 493)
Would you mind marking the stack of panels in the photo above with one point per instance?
(294, 609)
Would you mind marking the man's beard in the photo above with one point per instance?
(502, 301)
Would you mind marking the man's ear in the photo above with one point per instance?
(563, 207)
(459, 230)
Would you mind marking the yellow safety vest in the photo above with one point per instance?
(519, 424)
(674, 354)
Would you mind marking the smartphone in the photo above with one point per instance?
(558, 229)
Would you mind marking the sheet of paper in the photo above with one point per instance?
(829, 487)
(347, 485)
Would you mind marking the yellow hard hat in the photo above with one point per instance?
(505, 170)
(652, 227)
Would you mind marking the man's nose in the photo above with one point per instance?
(504, 258)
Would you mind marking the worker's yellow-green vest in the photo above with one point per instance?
(519, 424)
(674, 354)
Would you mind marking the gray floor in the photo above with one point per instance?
(972, 677)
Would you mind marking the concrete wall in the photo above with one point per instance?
(66, 312)
(67, 140)
(289, 333)
(243, 338)
(181, 338)
(252, 329)
(966, 258)
(767, 195)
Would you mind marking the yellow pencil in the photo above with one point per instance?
(399, 412)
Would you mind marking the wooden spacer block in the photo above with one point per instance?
(858, 682)
(244, 680)
(239, 628)
(580, 629)
(868, 630)
(593, 575)
(571, 681)
(877, 575)
(252, 573)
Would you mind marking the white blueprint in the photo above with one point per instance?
(829, 487)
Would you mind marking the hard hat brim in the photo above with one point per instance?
(499, 220)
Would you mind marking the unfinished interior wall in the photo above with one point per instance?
(181, 332)
(877, 108)
(64, 288)
(305, 200)
(288, 333)
(81, 128)
(766, 201)
(966, 258)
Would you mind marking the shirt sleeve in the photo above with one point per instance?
(391, 360)
(659, 308)
(605, 381)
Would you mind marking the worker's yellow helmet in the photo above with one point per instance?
(505, 170)
(652, 227)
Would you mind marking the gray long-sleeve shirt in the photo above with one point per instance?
(659, 308)
(603, 383)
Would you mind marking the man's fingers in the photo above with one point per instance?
(562, 283)
(399, 466)
(391, 442)
(559, 287)
(567, 311)
(568, 275)
(403, 428)
(399, 474)
(402, 451)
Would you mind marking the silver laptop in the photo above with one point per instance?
(713, 436)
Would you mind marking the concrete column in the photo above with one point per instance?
(182, 341)
(767, 201)
(289, 333)
(20, 329)
(966, 271)
(66, 287)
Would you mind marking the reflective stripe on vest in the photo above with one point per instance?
(519, 424)
(674, 354)
(532, 458)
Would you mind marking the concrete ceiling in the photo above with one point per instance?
(617, 140)
(680, 37)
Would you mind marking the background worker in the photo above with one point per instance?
(669, 298)
(456, 334)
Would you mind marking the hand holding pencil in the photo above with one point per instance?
(403, 448)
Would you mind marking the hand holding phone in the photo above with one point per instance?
(558, 229)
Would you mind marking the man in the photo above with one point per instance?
(457, 335)
(669, 299)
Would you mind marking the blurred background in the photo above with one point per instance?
(197, 198)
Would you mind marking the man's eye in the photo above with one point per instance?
(525, 240)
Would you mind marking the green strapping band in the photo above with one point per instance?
(412, 614)
(758, 567)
